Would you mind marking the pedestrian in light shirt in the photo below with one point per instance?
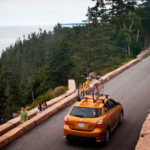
(38, 108)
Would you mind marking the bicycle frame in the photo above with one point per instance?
(82, 91)
(97, 91)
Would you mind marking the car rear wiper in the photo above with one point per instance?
(79, 116)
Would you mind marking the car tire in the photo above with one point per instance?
(68, 139)
(121, 118)
(107, 138)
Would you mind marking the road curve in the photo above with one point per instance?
(131, 88)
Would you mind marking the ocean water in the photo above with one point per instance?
(9, 34)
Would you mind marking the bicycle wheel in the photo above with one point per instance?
(99, 86)
(102, 90)
(88, 90)
(80, 92)
(96, 94)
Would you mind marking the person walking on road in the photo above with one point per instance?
(24, 115)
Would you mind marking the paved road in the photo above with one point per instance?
(131, 88)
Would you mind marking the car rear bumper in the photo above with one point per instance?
(97, 134)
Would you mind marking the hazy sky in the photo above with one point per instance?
(42, 12)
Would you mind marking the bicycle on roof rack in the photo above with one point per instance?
(98, 90)
(83, 89)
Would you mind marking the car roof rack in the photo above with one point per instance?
(97, 98)
(106, 95)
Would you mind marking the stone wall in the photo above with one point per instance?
(144, 140)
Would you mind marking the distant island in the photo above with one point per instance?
(72, 24)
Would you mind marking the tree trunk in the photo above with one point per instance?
(8, 106)
(137, 37)
(129, 50)
(32, 92)
(129, 37)
(88, 65)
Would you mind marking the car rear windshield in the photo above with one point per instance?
(85, 112)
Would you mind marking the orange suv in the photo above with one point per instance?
(95, 120)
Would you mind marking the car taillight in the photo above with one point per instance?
(99, 124)
(66, 121)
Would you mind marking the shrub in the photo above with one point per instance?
(59, 90)
(33, 105)
(45, 97)
(50, 94)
